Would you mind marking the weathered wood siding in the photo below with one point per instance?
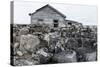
(48, 15)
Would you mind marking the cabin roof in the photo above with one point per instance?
(49, 7)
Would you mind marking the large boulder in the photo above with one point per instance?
(86, 54)
(71, 43)
(23, 62)
(91, 56)
(28, 42)
(44, 56)
(65, 57)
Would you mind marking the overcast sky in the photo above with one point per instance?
(86, 15)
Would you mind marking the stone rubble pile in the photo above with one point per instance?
(59, 46)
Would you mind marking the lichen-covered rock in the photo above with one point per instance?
(86, 54)
(65, 57)
(44, 56)
(91, 56)
(71, 43)
(28, 42)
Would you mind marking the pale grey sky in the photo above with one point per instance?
(86, 15)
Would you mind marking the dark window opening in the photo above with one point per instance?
(55, 23)
(40, 19)
(69, 23)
